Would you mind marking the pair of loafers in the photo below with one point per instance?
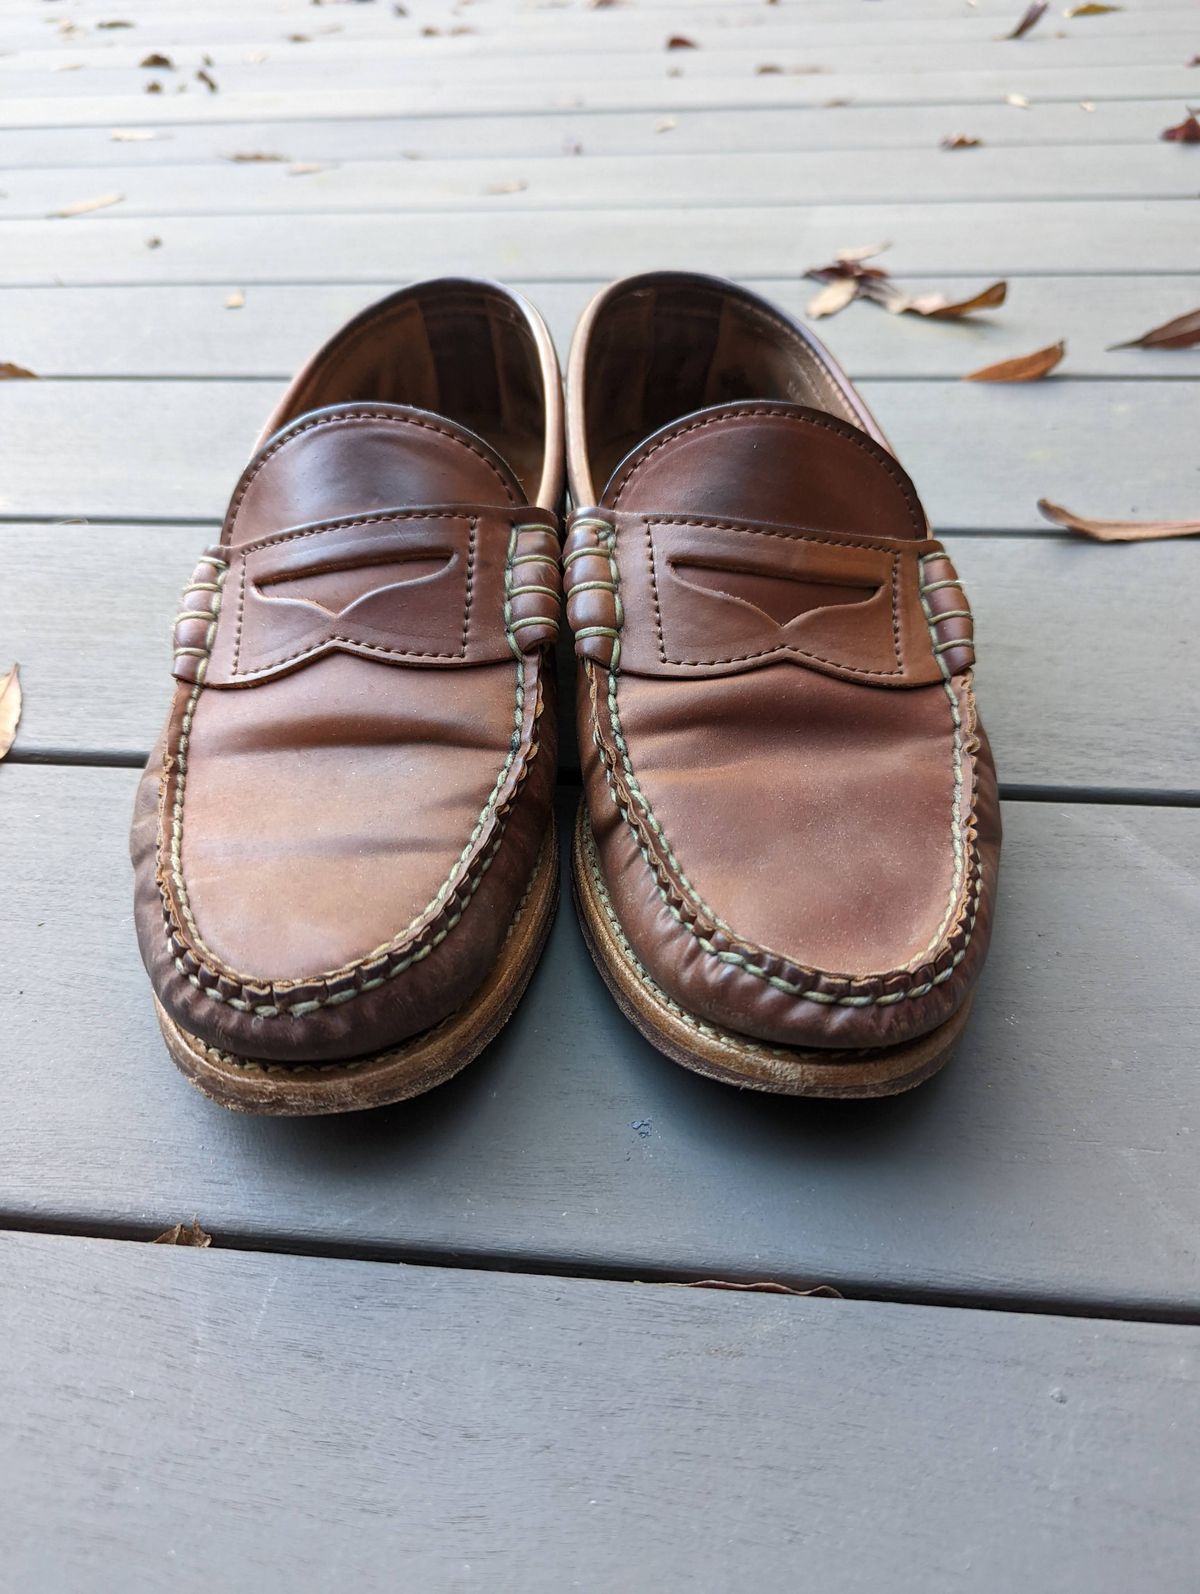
(344, 846)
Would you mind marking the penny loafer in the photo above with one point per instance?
(344, 844)
(786, 857)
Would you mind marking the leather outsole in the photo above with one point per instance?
(722, 1054)
(253, 1085)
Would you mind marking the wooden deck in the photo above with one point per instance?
(438, 1347)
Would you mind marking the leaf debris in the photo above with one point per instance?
(1024, 368)
(1030, 18)
(184, 1234)
(10, 708)
(15, 373)
(81, 207)
(1116, 530)
(1183, 332)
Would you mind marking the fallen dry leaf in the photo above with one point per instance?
(766, 1287)
(1019, 100)
(1117, 530)
(788, 71)
(10, 708)
(1025, 368)
(1181, 333)
(1091, 9)
(153, 243)
(114, 24)
(306, 168)
(860, 252)
(834, 296)
(299, 38)
(235, 300)
(960, 141)
(515, 185)
(184, 1234)
(133, 135)
(154, 88)
(14, 373)
(665, 124)
(1087, 105)
(156, 60)
(937, 306)
(874, 283)
(82, 206)
(1195, 61)
(210, 83)
(677, 41)
(1187, 131)
(1030, 18)
(245, 155)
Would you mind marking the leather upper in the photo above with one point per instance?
(354, 781)
(793, 803)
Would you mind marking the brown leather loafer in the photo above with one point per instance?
(786, 859)
(344, 845)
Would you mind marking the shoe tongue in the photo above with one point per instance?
(780, 463)
(353, 459)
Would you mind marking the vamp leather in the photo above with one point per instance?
(793, 803)
(355, 778)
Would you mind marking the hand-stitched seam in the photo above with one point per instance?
(472, 884)
(789, 987)
(358, 417)
(779, 647)
(277, 539)
(867, 445)
(466, 630)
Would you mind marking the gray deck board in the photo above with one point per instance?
(1022, 237)
(173, 330)
(664, 179)
(398, 136)
(1114, 721)
(981, 455)
(206, 1420)
(1052, 1163)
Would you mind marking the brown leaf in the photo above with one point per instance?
(82, 206)
(235, 300)
(156, 60)
(1117, 530)
(766, 1287)
(788, 71)
(10, 708)
(834, 296)
(1090, 10)
(1032, 15)
(13, 373)
(114, 24)
(1186, 132)
(210, 83)
(1025, 368)
(299, 38)
(154, 88)
(247, 155)
(1195, 61)
(939, 308)
(184, 1234)
(677, 41)
(960, 141)
(1181, 333)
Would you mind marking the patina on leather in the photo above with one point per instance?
(793, 803)
(354, 782)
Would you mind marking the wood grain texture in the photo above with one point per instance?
(1051, 1163)
(1074, 696)
(1023, 237)
(398, 136)
(663, 179)
(221, 1420)
(578, 89)
(981, 456)
(169, 330)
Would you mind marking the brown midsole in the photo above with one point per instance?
(723, 1054)
(248, 1084)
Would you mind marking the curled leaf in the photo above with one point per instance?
(184, 1234)
(1019, 100)
(940, 308)
(665, 124)
(10, 708)
(1117, 530)
(960, 141)
(82, 206)
(210, 83)
(154, 88)
(247, 155)
(1030, 18)
(1181, 333)
(13, 373)
(1185, 132)
(1090, 10)
(834, 296)
(114, 24)
(154, 59)
(1025, 368)
(852, 257)
(235, 300)
(306, 168)
(677, 41)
